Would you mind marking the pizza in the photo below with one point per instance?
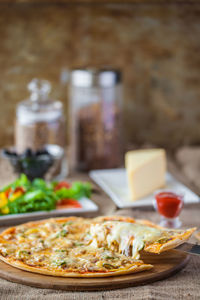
(80, 247)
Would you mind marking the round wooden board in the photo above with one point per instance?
(165, 265)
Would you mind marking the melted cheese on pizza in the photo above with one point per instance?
(130, 238)
(62, 246)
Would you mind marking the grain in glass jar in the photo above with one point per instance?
(95, 115)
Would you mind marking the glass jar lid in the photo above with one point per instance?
(39, 89)
(92, 77)
(39, 107)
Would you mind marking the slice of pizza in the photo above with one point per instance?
(129, 236)
(62, 247)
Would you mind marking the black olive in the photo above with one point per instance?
(38, 152)
(41, 152)
(28, 152)
(14, 153)
(6, 152)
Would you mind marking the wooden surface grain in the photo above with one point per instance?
(99, 2)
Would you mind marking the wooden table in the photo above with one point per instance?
(183, 285)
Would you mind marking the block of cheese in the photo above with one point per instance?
(146, 171)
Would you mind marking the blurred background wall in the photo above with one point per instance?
(157, 46)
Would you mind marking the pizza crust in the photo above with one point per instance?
(175, 242)
(64, 273)
(114, 218)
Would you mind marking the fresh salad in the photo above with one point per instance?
(23, 196)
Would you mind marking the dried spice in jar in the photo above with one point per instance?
(95, 119)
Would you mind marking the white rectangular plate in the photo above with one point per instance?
(87, 206)
(114, 183)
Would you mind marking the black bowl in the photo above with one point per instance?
(32, 164)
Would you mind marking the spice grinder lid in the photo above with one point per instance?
(90, 77)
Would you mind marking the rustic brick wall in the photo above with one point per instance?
(157, 46)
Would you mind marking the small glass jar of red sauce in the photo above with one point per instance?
(169, 205)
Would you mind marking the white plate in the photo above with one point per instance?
(114, 183)
(87, 206)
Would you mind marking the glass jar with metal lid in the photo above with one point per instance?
(95, 111)
(40, 122)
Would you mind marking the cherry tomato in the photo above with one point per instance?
(7, 192)
(62, 184)
(67, 203)
(19, 189)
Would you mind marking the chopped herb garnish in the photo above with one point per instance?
(62, 233)
(109, 266)
(163, 240)
(109, 257)
(67, 223)
(63, 263)
(24, 252)
(60, 263)
(78, 244)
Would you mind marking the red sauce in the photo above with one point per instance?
(169, 204)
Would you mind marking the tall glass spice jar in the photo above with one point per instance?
(40, 121)
(95, 111)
